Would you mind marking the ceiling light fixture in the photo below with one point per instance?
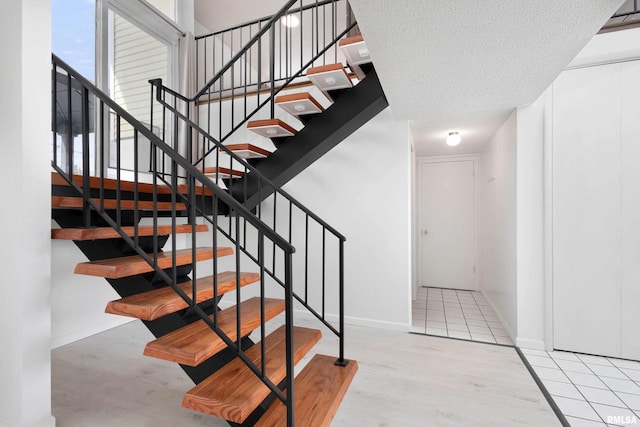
(290, 21)
(453, 139)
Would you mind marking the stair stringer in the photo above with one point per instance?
(348, 113)
(113, 248)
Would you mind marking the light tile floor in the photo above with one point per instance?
(590, 390)
(457, 314)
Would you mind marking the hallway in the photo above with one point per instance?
(456, 314)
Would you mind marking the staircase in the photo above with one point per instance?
(228, 226)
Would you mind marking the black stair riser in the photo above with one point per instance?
(112, 248)
(202, 202)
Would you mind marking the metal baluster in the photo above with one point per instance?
(118, 171)
(341, 361)
(102, 156)
(86, 184)
(306, 258)
(275, 204)
(54, 112)
(324, 252)
(136, 218)
(272, 68)
(154, 162)
(262, 289)
(174, 215)
(151, 103)
(288, 291)
(214, 210)
(238, 290)
(334, 18)
(70, 145)
(164, 122)
(301, 35)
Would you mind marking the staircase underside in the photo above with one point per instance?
(348, 113)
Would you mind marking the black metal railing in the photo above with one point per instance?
(299, 34)
(84, 117)
(282, 213)
(323, 245)
(254, 73)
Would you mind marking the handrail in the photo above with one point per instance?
(175, 118)
(181, 161)
(158, 84)
(274, 91)
(194, 175)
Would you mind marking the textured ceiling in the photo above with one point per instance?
(466, 64)
(459, 64)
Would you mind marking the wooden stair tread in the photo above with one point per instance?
(329, 77)
(351, 40)
(234, 391)
(326, 68)
(154, 304)
(63, 202)
(298, 104)
(97, 233)
(247, 151)
(129, 186)
(116, 268)
(271, 128)
(356, 53)
(223, 173)
(196, 342)
(319, 389)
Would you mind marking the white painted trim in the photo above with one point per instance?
(530, 344)
(90, 331)
(148, 17)
(348, 320)
(608, 48)
(548, 221)
(476, 241)
(357, 321)
(511, 333)
(49, 421)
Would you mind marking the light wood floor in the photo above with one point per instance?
(404, 380)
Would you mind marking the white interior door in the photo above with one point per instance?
(447, 233)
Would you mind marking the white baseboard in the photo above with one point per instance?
(511, 333)
(49, 421)
(87, 332)
(358, 321)
(348, 320)
(530, 344)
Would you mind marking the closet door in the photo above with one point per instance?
(630, 181)
(586, 211)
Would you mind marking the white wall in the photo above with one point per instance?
(530, 227)
(362, 188)
(25, 365)
(497, 188)
(77, 302)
